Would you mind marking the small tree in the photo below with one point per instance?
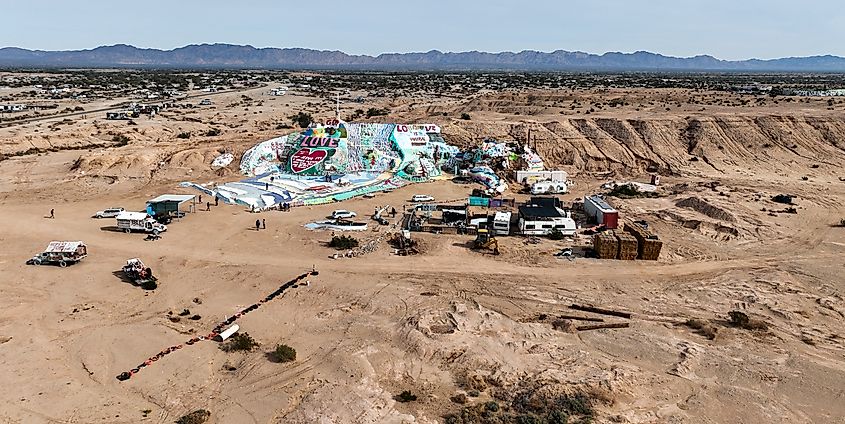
(302, 119)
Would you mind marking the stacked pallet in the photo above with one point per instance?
(606, 245)
(627, 246)
(649, 244)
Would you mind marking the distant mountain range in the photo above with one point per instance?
(230, 56)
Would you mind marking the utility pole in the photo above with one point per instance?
(337, 107)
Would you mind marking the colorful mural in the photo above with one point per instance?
(336, 162)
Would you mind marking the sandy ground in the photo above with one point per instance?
(446, 321)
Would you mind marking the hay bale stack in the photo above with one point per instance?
(627, 246)
(606, 245)
(649, 245)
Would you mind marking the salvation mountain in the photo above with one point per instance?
(247, 57)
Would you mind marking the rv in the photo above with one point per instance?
(502, 223)
(139, 221)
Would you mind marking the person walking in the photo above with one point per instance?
(52, 213)
(207, 206)
(263, 224)
(200, 199)
(257, 224)
(216, 200)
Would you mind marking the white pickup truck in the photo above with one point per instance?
(139, 221)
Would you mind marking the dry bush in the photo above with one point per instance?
(703, 327)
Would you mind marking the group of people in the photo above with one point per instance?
(260, 224)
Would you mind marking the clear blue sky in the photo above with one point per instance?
(728, 29)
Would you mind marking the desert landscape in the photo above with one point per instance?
(739, 320)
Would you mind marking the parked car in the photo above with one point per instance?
(422, 198)
(108, 213)
(343, 214)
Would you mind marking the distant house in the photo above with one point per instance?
(122, 115)
(542, 215)
(12, 108)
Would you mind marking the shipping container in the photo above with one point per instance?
(599, 210)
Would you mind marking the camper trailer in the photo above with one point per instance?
(62, 253)
(549, 187)
(139, 221)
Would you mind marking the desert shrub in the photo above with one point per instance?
(465, 116)
(473, 393)
(184, 135)
(556, 235)
(405, 396)
(460, 398)
(302, 119)
(343, 242)
(197, 417)
(120, 139)
(742, 320)
(703, 327)
(240, 342)
(213, 132)
(629, 191)
(284, 353)
(782, 198)
(376, 112)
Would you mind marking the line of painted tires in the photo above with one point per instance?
(126, 375)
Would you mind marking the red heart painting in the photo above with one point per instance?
(305, 159)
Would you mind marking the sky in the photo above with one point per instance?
(726, 29)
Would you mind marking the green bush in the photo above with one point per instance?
(284, 353)
(343, 242)
(197, 417)
(240, 342)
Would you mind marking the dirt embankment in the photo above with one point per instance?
(710, 145)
